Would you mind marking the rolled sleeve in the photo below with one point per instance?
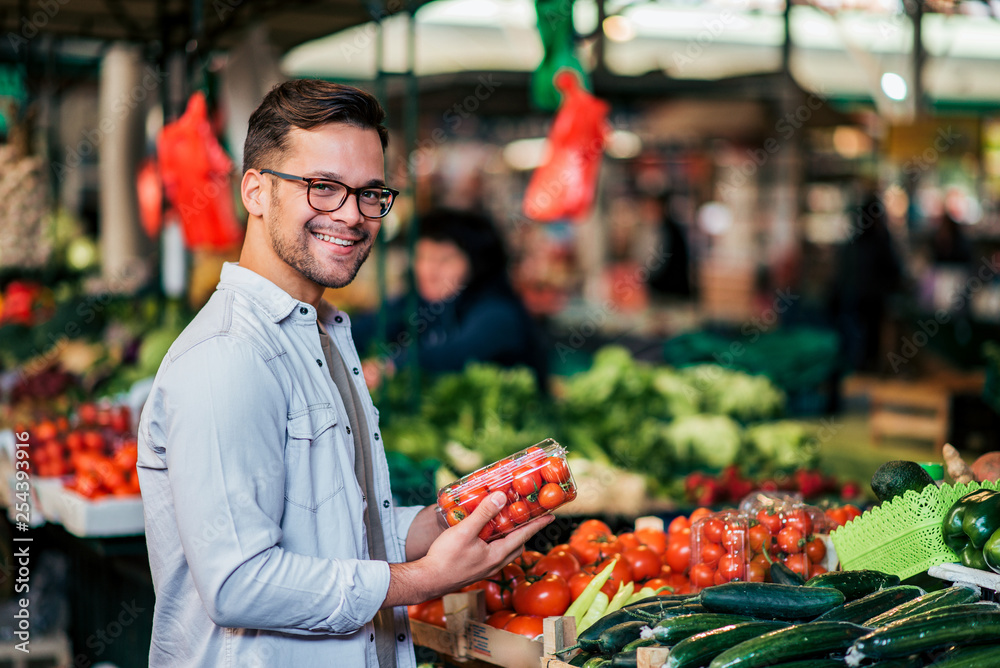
(225, 457)
(404, 518)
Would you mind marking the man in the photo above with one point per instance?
(272, 537)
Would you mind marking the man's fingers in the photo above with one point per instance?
(484, 512)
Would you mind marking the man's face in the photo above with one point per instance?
(326, 248)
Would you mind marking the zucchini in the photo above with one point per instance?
(767, 600)
(588, 638)
(854, 584)
(781, 574)
(804, 641)
(672, 631)
(625, 660)
(597, 662)
(863, 609)
(612, 638)
(924, 633)
(921, 604)
(986, 656)
(580, 659)
(701, 648)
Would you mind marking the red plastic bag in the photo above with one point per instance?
(150, 189)
(196, 175)
(564, 185)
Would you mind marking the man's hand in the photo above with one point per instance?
(459, 557)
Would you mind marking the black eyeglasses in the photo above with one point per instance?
(326, 195)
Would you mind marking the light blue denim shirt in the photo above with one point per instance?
(254, 515)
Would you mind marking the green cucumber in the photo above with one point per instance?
(767, 600)
(781, 574)
(924, 633)
(701, 648)
(597, 662)
(612, 638)
(661, 600)
(641, 642)
(672, 631)
(580, 659)
(589, 638)
(625, 660)
(986, 656)
(655, 605)
(863, 609)
(921, 604)
(803, 641)
(854, 584)
(812, 663)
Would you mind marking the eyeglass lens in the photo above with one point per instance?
(330, 196)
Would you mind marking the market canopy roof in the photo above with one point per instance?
(289, 22)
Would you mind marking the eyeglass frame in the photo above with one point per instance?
(350, 191)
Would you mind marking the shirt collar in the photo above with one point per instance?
(274, 301)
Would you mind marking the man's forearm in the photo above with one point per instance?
(425, 528)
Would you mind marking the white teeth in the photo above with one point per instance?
(336, 240)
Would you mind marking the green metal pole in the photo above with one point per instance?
(381, 247)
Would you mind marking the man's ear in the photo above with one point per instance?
(253, 193)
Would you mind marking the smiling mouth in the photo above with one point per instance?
(334, 240)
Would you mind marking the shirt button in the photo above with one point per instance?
(376, 436)
(401, 637)
(348, 430)
(385, 504)
(372, 638)
(355, 370)
(338, 319)
(303, 310)
(320, 362)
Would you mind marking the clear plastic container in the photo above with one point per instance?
(536, 480)
(742, 544)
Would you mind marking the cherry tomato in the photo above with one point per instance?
(564, 565)
(790, 540)
(680, 584)
(594, 547)
(502, 523)
(711, 553)
(712, 529)
(800, 520)
(563, 548)
(628, 540)
(731, 567)
(470, 499)
(852, 512)
(653, 538)
(702, 575)
(816, 569)
(758, 569)
(551, 496)
(499, 618)
(519, 512)
(770, 519)
(643, 561)
(548, 596)
(454, 516)
(486, 532)
(837, 515)
(413, 611)
(698, 514)
(759, 538)
(815, 549)
(734, 538)
(525, 625)
(799, 563)
(527, 481)
(555, 470)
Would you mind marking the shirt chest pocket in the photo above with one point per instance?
(313, 468)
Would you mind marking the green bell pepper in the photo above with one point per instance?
(952, 528)
(973, 558)
(982, 518)
(991, 551)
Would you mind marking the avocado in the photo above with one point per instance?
(896, 477)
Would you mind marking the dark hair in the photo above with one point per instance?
(307, 103)
(474, 234)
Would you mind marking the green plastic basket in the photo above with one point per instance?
(902, 536)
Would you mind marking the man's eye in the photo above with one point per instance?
(324, 187)
(371, 195)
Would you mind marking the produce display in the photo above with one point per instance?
(536, 481)
(94, 452)
(758, 624)
(972, 529)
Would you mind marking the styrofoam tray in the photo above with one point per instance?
(106, 516)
